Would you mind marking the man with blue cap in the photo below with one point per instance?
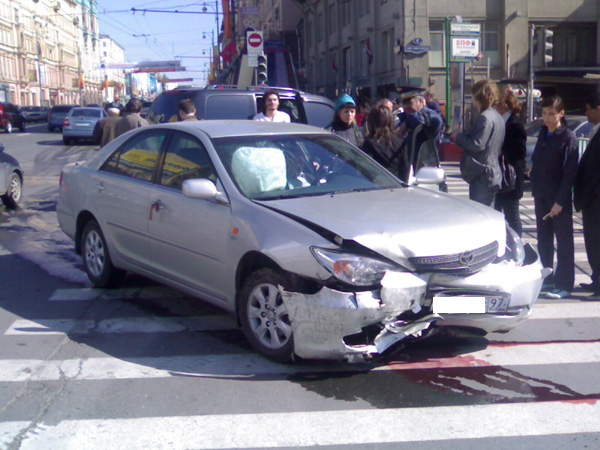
(344, 123)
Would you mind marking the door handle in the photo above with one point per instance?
(156, 205)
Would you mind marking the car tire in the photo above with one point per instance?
(50, 128)
(96, 258)
(264, 316)
(66, 141)
(9, 127)
(13, 193)
(22, 127)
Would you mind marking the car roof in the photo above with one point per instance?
(228, 128)
(256, 90)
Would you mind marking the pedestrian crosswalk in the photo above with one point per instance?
(524, 380)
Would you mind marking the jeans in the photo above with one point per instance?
(510, 206)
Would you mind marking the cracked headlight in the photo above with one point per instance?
(514, 246)
(351, 268)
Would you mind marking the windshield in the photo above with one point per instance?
(533, 128)
(292, 166)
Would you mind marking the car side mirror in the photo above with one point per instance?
(203, 189)
(430, 175)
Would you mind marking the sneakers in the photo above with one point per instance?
(558, 294)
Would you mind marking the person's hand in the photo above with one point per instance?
(555, 210)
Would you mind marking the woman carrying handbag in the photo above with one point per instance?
(514, 152)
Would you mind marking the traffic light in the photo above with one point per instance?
(548, 46)
(261, 70)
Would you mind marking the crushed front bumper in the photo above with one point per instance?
(323, 321)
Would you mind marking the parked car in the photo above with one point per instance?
(318, 250)
(11, 118)
(34, 113)
(241, 102)
(11, 179)
(578, 124)
(145, 108)
(57, 115)
(80, 122)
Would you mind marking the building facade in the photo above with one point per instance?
(368, 48)
(114, 79)
(49, 52)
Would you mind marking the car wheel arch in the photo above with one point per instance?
(82, 220)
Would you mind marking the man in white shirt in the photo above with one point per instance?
(270, 103)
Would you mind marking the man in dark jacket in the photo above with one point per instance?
(104, 131)
(132, 119)
(587, 196)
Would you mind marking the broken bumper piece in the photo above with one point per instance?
(322, 321)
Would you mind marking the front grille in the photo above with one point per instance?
(464, 263)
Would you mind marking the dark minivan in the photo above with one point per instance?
(57, 115)
(241, 102)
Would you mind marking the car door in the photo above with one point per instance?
(190, 237)
(121, 195)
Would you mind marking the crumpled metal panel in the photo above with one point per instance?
(320, 321)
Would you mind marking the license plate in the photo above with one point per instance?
(469, 305)
(84, 124)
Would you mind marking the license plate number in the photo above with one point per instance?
(469, 305)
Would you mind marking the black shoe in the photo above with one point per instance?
(595, 297)
(589, 286)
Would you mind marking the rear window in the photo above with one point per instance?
(61, 109)
(85, 113)
(229, 107)
(318, 114)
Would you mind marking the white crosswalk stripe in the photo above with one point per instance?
(319, 428)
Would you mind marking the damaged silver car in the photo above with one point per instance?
(318, 250)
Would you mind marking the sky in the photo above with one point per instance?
(163, 36)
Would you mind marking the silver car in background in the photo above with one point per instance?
(318, 250)
(80, 123)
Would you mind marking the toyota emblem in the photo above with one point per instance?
(466, 258)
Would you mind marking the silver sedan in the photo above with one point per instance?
(318, 250)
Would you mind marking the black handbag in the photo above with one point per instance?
(509, 176)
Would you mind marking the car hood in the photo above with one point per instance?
(401, 223)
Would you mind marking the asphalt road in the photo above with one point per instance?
(145, 366)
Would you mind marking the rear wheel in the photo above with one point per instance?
(50, 128)
(96, 258)
(67, 141)
(22, 127)
(264, 316)
(13, 194)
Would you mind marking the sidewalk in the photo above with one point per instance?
(458, 187)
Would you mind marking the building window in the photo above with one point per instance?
(574, 45)
(319, 29)
(365, 58)
(347, 63)
(387, 57)
(490, 44)
(364, 7)
(437, 54)
(332, 17)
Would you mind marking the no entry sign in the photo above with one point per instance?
(254, 40)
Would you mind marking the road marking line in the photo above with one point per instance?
(86, 294)
(320, 428)
(250, 364)
(155, 324)
(222, 322)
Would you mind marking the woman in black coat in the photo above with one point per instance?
(514, 150)
(382, 144)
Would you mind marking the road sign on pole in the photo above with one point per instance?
(254, 39)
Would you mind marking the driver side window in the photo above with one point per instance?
(186, 158)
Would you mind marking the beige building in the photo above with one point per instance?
(114, 79)
(49, 52)
(369, 47)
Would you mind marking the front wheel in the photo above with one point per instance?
(264, 315)
(13, 194)
(96, 258)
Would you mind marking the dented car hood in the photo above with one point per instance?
(401, 223)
